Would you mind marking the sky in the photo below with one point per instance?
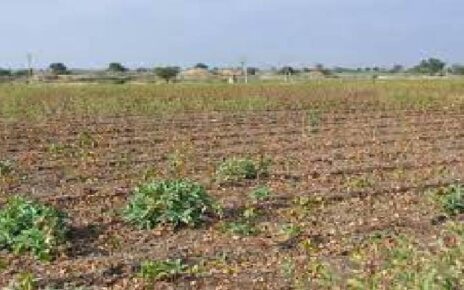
(147, 33)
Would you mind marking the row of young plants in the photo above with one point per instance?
(30, 226)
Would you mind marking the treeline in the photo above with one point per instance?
(430, 66)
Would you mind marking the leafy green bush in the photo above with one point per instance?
(168, 202)
(30, 226)
(161, 270)
(236, 169)
(453, 199)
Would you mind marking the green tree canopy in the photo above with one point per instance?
(5, 72)
(430, 66)
(201, 65)
(58, 68)
(167, 73)
(116, 67)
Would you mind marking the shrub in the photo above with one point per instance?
(30, 226)
(235, 169)
(168, 202)
(167, 73)
(161, 270)
(453, 199)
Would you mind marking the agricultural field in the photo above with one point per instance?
(328, 185)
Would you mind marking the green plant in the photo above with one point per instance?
(173, 202)
(290, 230)
(167, 73)
(6, 167)
(23, 281)
(162, 270)
(314, 120)
(30, 226)
(261, 193)
(237, 169)
(452, 199)
(241, 228)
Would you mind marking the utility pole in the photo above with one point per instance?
(244, 69)
(29, 65)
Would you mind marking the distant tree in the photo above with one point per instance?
(167, 73)
(5, 72)
(287, 70)
(376, 68)
(252, 70)
(21, 73)
(116, 67)
(201, 65)
(319, 67)
(430, 66)
(397, 68)
(58, 68)
(457, 69)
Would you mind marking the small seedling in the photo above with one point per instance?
(241, 228)
(86, 140)
(177, 202)
(261, 194)
(358, 183)
(24, 281)
(235, 169)
(452, 199)
(290, 230)
(162, 270)
(314, 120)
(6, 167)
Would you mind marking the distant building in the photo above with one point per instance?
(230, 75)
(194, 74)
(316, 74)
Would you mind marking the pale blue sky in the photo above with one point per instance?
(91, 33)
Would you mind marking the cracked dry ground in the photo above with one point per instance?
(365, 170)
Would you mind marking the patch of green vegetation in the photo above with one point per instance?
(314, 120)
(30, 226)
(170, 202)
(290, 230)
(261, 193)
(237, 169)
(240, 228)
(358, 182)
(6, 167)
(23, 281)
(403, 264)
(452, 199)
(162, 270)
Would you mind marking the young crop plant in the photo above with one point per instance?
(23, 281)
(237, 169)
(261, 194)
(162, 270)
(169, 202)
(314, 120)
(452, 199)
(31, 226)
(6, 167)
